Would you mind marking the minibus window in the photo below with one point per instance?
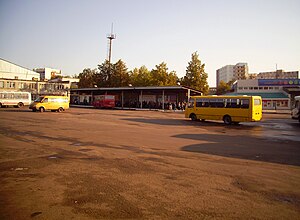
(39, 99)
(257, 102)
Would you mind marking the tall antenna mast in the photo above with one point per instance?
(110, 37)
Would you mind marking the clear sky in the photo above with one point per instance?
(71, 34)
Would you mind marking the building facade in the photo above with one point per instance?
(228, 73)
(274, 92)
(240, 71)
(48, 73)
(9, 70)
(278, 74)
(225, 74)
(16, 78)
(36, 88)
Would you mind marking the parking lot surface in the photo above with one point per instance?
(114, 164)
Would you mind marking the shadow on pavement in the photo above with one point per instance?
(187, 122)
(243, 147)
(15, 110)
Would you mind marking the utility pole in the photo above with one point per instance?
(110, 37)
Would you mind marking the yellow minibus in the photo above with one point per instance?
(53, 103)
(230, 109)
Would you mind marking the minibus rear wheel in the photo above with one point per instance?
(193, 117)
(227, 120)
(60, 109)
(20, 105)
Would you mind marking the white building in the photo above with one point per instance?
(10, 70)
(274, 92)
(16, 78)
(48, 73)
(225, 74)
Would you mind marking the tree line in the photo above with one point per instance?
(117, 75)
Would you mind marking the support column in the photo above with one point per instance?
(122, 100)
(141, 99)
(163, 100)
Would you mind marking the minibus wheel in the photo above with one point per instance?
(42, 109)
(20, 105)
(227, 120)
(193, 117)
(60, 109)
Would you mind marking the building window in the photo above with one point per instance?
(1, 84)
(10, 85)
(21, 85)
(240, 88)
(245, 88)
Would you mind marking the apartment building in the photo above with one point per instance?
(278, 74)
(232, 72)
(224, 74)
(240, 71)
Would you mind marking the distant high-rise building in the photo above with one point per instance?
(278, 74)
(232, 72)
(240, 71)
(225, 74)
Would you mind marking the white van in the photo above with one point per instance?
(16, 99)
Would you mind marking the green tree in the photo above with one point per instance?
(172, 79)
(223, 88)
(161, 77)
(103, 77)
(119, 75)
(112, 75)
(140, 77)
(196, 77)
(87, 78)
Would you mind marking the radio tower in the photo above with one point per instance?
(110, 37)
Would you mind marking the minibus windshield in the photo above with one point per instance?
(39, 99)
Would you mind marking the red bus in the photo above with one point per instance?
(104, 101)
